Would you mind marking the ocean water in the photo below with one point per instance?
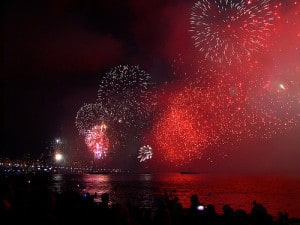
(275, 192)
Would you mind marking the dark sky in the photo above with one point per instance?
(55, 52)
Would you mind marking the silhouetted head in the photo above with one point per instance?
(194, 199)
(105, 197)
(227, 210)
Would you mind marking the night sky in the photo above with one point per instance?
(224, 81)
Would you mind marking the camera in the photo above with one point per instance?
(200, 207)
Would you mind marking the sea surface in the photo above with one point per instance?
(275, 192)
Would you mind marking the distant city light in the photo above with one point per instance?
(58, 157)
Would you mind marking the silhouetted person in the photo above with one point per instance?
(258, 209)
(283, 218)
(162, 215)
(104, 211)
(176, 211)
(194, 203)
(104, 200)
(241, 217)
(196, 210)
(259, 215)
(211, 217)
(227, 217)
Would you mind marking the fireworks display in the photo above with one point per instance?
(197, 122)
(145, 153)
(228, 31)
(203, 82)
(126, 91)
(97, 141)
(217, 101)
(90, 115)
(125, 102)
(213, 108)
(91, 122)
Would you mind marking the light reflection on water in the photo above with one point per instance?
(276, 193)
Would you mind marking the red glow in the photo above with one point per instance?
(97, 141)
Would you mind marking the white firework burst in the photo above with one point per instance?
(126, 92)
(90, 115)
(228, 31)
(145, 153)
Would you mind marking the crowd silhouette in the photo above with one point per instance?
(44, 207)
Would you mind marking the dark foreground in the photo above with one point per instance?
(28, 204)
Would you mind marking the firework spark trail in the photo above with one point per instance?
(228, 31)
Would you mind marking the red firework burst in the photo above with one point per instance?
(97, 141)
